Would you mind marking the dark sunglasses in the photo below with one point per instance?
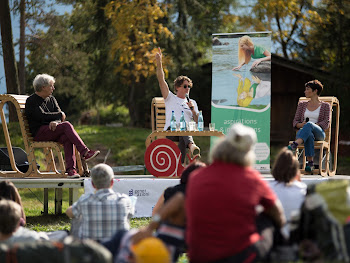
(187, 86)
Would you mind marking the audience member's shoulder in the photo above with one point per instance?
(121, 196)
(299, 184)
(85, 196)
(172, 190)
(26, 235)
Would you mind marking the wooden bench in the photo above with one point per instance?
(324, 146)
(30, 145)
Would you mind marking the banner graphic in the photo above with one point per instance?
(241, 87)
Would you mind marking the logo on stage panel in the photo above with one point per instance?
(163, 158)
(141, 192)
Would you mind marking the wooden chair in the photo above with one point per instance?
(158, 114)
(158, 117)
(30, 145)
(324, 146)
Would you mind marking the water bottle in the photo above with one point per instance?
(200, 122)
(182, 122)
(173, 122)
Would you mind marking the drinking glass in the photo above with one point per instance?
(192, 125)
(211, 126)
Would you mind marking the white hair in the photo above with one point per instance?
(237, 147)
(42, 80)
(101, 175)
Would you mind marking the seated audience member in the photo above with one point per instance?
(287, 186)
(222, 224)
(172, 234)
(9, 191)
(170, 191)
(10, 230)
(48, 123)
(104, 212)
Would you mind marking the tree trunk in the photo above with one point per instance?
(136, 104)
(22, 48)
(8, 53)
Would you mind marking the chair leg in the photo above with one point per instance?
(322, 172)
(331, 169)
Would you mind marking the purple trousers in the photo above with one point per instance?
(66, 135)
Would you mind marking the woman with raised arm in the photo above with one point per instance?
(178, 102)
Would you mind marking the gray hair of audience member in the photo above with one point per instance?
(237, 147)
(11, 213)
(101, 176)
(42, 80)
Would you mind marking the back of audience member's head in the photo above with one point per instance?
(150, 250)
(10, 213)
(189, 169)
(286, 166)
(101, 176)
(9, 191)
(237, 147)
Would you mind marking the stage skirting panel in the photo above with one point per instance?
(148, 191)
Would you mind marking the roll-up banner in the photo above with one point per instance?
(241, 87)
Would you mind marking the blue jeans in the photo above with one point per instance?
(309, 133)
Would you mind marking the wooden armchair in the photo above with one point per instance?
(326, 145)
(30, 145)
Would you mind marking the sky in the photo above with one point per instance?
(60, 9)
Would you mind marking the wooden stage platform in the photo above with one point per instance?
(75, 184)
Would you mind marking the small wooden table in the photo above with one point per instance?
(162, 134)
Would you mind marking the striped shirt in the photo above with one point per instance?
(323, 118)
(103, 213)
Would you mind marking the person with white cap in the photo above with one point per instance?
(222, 224)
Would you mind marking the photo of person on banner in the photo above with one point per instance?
(247, 50)
(247, 91)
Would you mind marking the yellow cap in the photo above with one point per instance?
(151, 250)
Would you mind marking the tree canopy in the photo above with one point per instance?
(103, 51)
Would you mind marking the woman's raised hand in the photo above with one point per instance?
(159, 56)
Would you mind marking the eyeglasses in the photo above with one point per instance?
(187, 86)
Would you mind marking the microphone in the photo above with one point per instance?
(188, 99)
(307, 119)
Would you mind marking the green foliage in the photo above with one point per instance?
(327, 48)
(109, 114)
(287, 19)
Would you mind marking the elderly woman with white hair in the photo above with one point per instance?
(47, 122)
(221, 201)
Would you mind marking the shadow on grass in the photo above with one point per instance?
(48, 222)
